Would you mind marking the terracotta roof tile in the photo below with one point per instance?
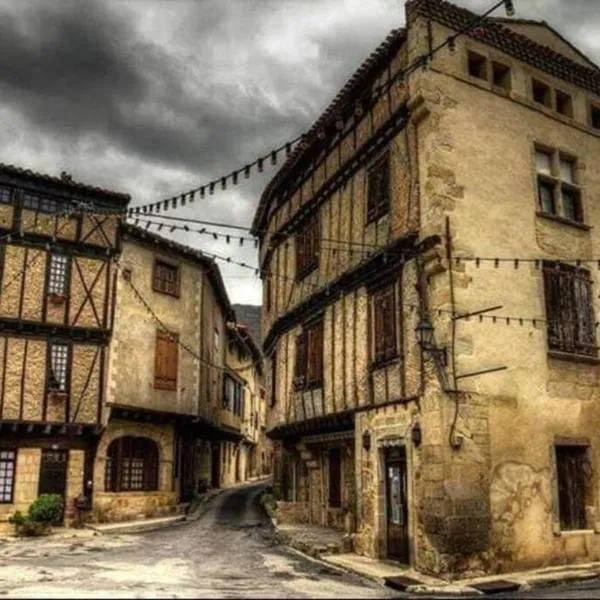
(67, 184)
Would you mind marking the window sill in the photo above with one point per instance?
(309, 387)
(562, 220)
(580, 358)
(172, 294)
(574, 532)
(381, 364)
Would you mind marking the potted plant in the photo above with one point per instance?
(45, 511)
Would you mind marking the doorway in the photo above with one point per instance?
(215, 464)
(187, 469)
(396, 504)
(53, 474)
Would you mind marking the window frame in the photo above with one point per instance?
(558, 297)
(308, 371)
(3, 471)
(147, 451)
(160, 263)
(560, 186)
(50, 371)
(273, 401)
(163, 381)
(548, 99)
(482, 61)
(59, 271)
(505, 78)
(569, 516)
(384, 342)
(559, 98)
(335, 473)
(7, 194)
(594, 116)
(378, 207)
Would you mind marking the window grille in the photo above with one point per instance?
(59, 361)
(166, 278)
(7, 475)
(57, 281)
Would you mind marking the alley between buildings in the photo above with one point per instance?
(231, 552)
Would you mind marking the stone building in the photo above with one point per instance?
(56, 317)
(174, 401)
(452, 174)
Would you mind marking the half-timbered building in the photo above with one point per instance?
(174, 416)
(57, 241)
(449, 188)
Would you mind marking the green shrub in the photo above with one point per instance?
(269, 503)
(48, 508)
(18, 518)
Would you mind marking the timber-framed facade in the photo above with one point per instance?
(56, 312)
(394, 439)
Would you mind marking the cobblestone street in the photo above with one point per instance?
(230, 552)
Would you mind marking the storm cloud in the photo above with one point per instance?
(155, 97)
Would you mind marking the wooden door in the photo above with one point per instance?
(53, 473)
(187, 470)
(397, 504)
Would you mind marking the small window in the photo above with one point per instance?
(571, 324)
(477, 65)
(384, 324)
(6, 195)
(571, 204)
(59, 363)
(309, 357)
(131, 465)
(541, 93)
(7, 475)
(501, 76)
(567, 170)
(44, 203)
(166, 361)
(546, 197)
(378, 190)
(166, 278)
(58, 276)
(307, 248)
(572, 474)
(595, 116)
(564, 104)
(335, 477)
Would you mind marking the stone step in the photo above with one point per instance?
(137, 525)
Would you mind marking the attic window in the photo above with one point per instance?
(564, 104)
(595, 116)
(541, 93)
(477, 65)
(501, 75)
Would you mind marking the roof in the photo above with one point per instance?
(367, 71)
(509, 20)
(64, 183)
(494, 33)
(166, 245)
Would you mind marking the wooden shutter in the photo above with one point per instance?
(584, 318)
(335, 477)
(384, 330)
(315, 355)
(301, 350)
(166, 361)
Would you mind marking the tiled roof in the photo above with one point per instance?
(349, 91)
(65, 183)
(167, 245)
(493, 32)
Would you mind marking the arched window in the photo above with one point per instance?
(131, 465)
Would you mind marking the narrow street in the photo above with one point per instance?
(229, 553)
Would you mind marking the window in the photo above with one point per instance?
(131, 465)
(309, 357)
(558, 192)
(501, 76)
(166, 361)
(166, 278)
(44, 203)
(233, 395)
(541, 93)
(335, 477)
(307, 248)
(7, 475)
(569, 309)
(59, 274)
(273, 379)
(6, 195)
(564, 104)
(378, 199)
(572, 472)
(59, 362)
(384, 324)
(477, 65)
(595, 116)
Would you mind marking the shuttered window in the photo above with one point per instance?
(307, 248)
(309, 357)
(335, 477)
(378, 199)
(572, 469)
(569, 309)
(384, 324)
(166, 361)
(166, 278)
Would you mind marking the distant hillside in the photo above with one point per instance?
(249, 315)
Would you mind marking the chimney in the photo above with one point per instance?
(64, 176)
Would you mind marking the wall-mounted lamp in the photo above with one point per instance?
(425, 337)
(416, 434)
(366, 440)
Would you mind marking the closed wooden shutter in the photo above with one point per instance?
(378, 198)
(384, 330)
(166, 361)
(300, 370)
(315, 355)
(335, 478)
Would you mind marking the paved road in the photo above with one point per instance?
(229, 553)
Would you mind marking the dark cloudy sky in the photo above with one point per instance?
(153, 97)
